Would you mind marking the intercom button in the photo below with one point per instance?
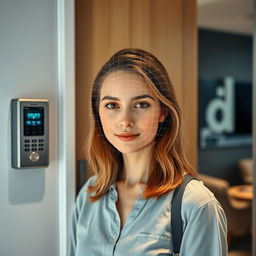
(34, 149)
(33, 145)
(34, 157)
(27, 149)
(26, 141)
(27, 145)
(41, 149)
(41, 140)
(34, 140)
(41, 145)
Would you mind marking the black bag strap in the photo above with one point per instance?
(176, 221)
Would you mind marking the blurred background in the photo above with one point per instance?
(225, 75)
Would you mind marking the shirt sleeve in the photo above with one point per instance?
(77, 209)
(72, 244)
(205, 232)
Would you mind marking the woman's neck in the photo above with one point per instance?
(136, 166)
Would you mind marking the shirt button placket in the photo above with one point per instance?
(115, 235)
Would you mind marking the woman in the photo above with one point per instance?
(134, 152)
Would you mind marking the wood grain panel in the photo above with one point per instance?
(84, 70)
(166, 38)
(189, 82)
(140, 24)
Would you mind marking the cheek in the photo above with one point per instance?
(106, 121)
(151, 119)
(150, 124)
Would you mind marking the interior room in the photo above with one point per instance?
(51, 52)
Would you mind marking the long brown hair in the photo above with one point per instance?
(168, 162)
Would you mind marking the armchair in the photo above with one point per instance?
(245, 167)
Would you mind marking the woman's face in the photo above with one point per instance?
(128, 111)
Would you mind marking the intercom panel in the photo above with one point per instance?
(30, 133)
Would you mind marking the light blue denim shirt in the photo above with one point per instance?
(147, 231)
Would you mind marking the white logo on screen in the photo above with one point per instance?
(223, 104)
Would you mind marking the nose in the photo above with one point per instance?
(126, 119)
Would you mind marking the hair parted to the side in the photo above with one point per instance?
(168, 161)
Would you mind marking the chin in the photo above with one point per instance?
(130, 150)
(126, 150)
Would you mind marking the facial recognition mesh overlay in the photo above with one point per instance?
(33, 121)
(124, 91)
(127, 104)
(225, 112)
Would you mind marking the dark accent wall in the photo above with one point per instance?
(223, 54)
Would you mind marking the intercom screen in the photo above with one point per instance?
(33, 121)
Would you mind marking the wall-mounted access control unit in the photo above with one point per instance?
(30, 133)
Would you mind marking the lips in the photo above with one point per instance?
(127, 136)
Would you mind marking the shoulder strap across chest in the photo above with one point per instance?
(176, 220)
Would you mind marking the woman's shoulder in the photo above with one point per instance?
(202, 215)
(197, 197)
(83, 194)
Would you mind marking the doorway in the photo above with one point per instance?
(225, 58)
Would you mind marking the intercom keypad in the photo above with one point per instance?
(30, 133)
(34, 146)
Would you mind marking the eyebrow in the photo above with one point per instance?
(134, 98)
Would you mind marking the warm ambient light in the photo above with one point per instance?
(203, 2)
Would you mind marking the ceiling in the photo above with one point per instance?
(234, 16)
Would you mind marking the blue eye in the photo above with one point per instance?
(142, 105)
(111, 106)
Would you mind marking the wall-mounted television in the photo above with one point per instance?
(225, 112)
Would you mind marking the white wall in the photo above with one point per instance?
(32, 201)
